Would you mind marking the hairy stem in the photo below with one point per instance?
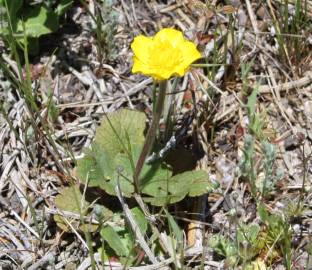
(151, 134)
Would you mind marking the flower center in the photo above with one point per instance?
(164, 55)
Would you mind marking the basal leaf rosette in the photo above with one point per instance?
(115, 151)
(165, 55)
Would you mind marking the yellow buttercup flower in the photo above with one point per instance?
(164, 55)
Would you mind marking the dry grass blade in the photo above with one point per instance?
(307, 79)
(135, 227)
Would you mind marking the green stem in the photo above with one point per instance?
(151, 134)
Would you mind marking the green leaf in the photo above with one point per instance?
(248, 233)
(97, 169)
(140, 219)
(177, 232)
(121, 131)
(53, 110)
(193, 183)
(251, 104)
(102, 213)
(222, 245)
(70, 199)
(114, 241)
(171, 190)
(38, 21)
(263, 213)
(63, 6)
(155, 180)
(114, 153)
(254, 230)
(199, 183)
(164, 200)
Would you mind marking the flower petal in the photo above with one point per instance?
(161, 74)
(180, 70)
(165, 55)
(170, 35)
(190, 52)
(189, 55)
(141, 47)
(139, 66)
(146, 69)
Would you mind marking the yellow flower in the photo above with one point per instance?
(164, 55)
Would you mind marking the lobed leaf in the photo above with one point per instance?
(38, 21)
(174, 189)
